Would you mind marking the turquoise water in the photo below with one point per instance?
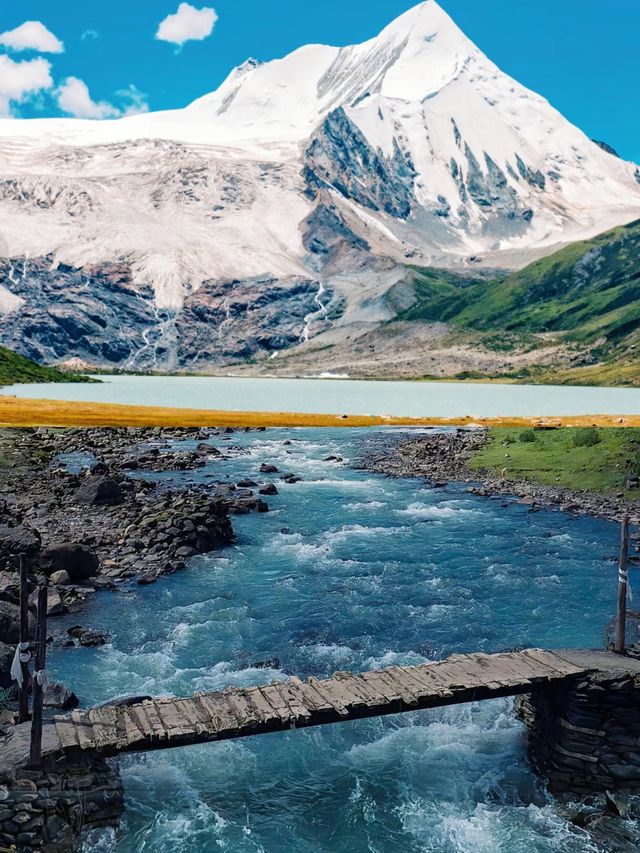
(349, 570)
(337, 397)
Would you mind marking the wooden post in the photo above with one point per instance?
(35, 752)
(23, 703)
(623, 582)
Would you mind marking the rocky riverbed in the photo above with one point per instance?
(88, 510)
(443, 457)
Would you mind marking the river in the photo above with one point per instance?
(349, 570)
(344, 396)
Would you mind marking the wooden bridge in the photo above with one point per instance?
(163, 723)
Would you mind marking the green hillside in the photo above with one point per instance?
(586, 296)
(15, 368)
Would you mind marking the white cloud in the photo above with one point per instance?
(136, 100)
(90, 35)
(20, 81)
(32, 35)
(74, 98)
(188, 23)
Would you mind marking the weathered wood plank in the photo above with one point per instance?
(260, 708)
(330, 699)
(294, 700)
(221, 719)
(84, 730)
(103, 721)
(66, 731)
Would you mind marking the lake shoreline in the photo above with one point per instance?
(443, 458)
(32, 412)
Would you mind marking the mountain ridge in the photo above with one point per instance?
(287, 203)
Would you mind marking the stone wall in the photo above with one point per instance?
(584, 735)
(49, 810)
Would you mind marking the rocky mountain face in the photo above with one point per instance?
(279, 211)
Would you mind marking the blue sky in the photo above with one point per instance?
(580, 54)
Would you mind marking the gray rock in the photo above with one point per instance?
(78, 561)
(100, 491)
(17, 540)
(9, 622)
(6, 658)
(60, 697)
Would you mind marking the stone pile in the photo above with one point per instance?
(585, 736)
(49, 810)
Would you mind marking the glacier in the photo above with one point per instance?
(199, 237)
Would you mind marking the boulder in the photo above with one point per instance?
(60, 578)
(6, 658)
(99, 468)
(79, 561)
(270, 489)
(17, 540)
(268, 469)
(87, 636)
(54, 603)
(100, 491)
(9, 622)
(60, 697)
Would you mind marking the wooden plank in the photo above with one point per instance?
(292, 700)
(504, 665)
(242, 709)
(420, 690)
(221, 719)
(342, 686)
(490, 677)
(84, 730)
(399, 683)
(130, 733)
(103, 721)
(278, 704)
(66, 731)
(316, 702)
(370, 696)
(153, 724)
(142, 721)
(559, 667)
(388, 693)
(175, 724)
(436, 685)
(260, 708)
(470, 674)
(337, 705)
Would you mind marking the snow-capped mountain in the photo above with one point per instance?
(285, 203)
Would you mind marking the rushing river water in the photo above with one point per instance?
(337, 396)
(349, 570)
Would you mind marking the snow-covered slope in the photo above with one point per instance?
(324, 170)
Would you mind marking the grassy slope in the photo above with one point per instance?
(15, 368)
(587, 294)
(554, 459)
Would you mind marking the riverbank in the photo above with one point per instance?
(19, 412)
(89, 510)
(558, 468)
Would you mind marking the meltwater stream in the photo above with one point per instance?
(350, 571)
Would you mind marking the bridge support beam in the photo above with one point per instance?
(584, 734)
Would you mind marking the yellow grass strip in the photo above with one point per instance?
(56, 413)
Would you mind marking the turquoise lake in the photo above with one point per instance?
(344, 396)
(348, 571)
